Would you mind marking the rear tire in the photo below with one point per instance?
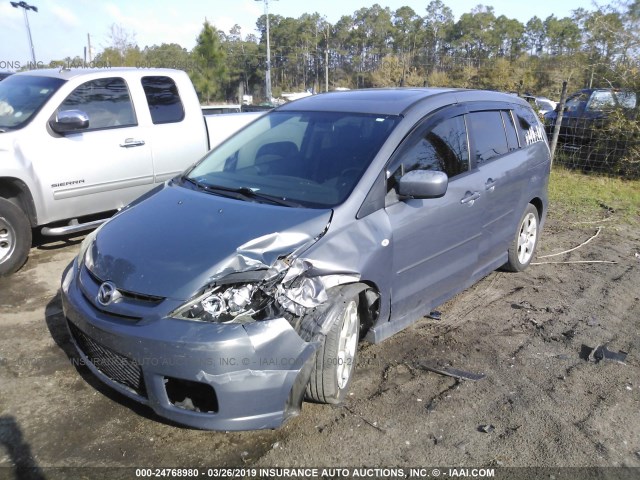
(15, 237)
(524, 244)
(336, 357)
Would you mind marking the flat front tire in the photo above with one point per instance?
(336, 356)
(524, 244)
(15, 237)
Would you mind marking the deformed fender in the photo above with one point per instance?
(278, 341)
(316, 323)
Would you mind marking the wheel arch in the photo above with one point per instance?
(316, 323)
(369, 303)
(17, 192)
(537, 202)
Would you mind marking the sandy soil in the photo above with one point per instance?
(543, 402)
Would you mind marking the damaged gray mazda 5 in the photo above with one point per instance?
(227, 295)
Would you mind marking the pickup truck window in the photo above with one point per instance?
(21, 97)
(163, 100)
(601, 101)
(576, 102)
(627, 99)
(106, 102)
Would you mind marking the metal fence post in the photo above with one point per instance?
(556, 127)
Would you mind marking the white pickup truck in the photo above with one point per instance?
(76, 145)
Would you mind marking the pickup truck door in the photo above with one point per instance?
(102, 167)
(177, 140)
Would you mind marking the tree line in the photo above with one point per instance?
(375, 47)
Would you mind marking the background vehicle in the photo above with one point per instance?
(76, 145)
(220, 109)
(598, 131)
(541, 104)
(4, 75)
(334, 217)
(585, 111)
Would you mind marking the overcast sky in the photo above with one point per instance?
(60, 27)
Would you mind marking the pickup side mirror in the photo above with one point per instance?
(423, 184)
(68, 121)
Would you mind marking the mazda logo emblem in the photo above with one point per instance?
(108, 294)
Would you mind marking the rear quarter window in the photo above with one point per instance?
(528, 125)
(163, 99)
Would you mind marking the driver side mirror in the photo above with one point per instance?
(68, 121)
(423, 184)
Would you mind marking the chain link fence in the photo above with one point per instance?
(599, 132)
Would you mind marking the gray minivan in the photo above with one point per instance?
(229, 294)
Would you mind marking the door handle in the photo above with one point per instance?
(469, 198)
(490, 185)
(130, 142)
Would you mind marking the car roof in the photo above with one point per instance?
(69, 73)
(602, 89)
(389, 101)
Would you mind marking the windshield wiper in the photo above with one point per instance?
(266, 197)
(242, 193)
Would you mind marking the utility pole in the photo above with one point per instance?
(26, 7)
(326, 70)
(326, 60)
(268, 75)
(89, 46)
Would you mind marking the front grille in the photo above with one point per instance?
(93, 302)
(140, 297)
(115, 366)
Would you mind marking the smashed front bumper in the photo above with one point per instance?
(204, 375)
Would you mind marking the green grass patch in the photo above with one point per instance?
(591, 197)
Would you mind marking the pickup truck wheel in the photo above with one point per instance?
(15, 237)
(524, 244)
(336, 356)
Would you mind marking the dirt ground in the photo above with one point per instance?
(543, 402)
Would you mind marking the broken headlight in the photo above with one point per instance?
(226, 304)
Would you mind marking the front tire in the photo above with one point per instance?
(15, 237)
(336, 356)
(524, 244)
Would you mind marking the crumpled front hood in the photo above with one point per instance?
(177, 240)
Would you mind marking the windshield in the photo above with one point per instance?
(22, 96)
(312, 159)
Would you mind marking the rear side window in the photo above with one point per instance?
(163, 100)
(601, 101)
(442, 148)
(627, 99)
(510, 129)
(489, 138)
(106, 102)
